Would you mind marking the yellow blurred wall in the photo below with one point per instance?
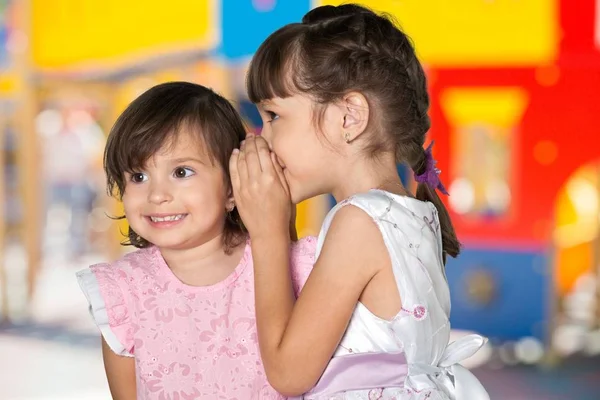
(476, 32)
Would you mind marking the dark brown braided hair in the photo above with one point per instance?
(339, 49)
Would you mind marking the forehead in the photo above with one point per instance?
(185, 142)
(296, 100)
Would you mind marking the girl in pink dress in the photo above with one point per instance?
(177, 315)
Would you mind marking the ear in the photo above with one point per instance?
(356, 115)
(230, 202)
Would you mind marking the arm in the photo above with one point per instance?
(120, 372)
(298, 340)
(103, 286)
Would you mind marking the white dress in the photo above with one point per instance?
(427, 366)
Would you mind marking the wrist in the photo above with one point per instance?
(271, 239)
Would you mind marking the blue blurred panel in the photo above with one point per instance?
(250, 112)
(519, 306)
(246, 23)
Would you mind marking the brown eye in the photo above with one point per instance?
(138, 177)
(272, 116)
(182, 172)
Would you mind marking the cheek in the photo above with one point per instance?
(132, 199)
(207, 195)
(288, 137)
(134, 206)
(266, 132)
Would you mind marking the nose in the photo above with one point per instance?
(159, 193)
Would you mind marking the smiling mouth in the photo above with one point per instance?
(165, 220)
(168, 218)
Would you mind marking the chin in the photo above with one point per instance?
(172, 242)
(298, 196)
(165, 244)
(306, 186)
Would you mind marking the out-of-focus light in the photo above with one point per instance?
(99, 220)
(481, 287)
(547, 75)
(497, 195)
(584, 197)
(529, 350)
(568, 339)
(49, 123)
(580, 306)
(462, 196)
(506, 352)
(586, 283)
(79, 118)
(574, 234)
(59, 219)
(592, 343)
(545, 152)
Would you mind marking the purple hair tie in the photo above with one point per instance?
(431, 175)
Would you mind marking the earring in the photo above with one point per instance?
(347, 137)
(230, 207)
(229, 210)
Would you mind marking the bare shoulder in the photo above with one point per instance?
(352, 217)
(354, 239)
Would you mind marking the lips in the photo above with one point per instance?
(281, 163)
(165, 220)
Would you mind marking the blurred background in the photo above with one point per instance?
(515, 108)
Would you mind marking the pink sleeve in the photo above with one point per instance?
(106, 289)
(302, 260)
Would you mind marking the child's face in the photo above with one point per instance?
(179, 199)
(306, 149)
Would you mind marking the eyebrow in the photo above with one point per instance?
(266, 103)
(187, 159)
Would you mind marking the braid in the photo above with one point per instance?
(381, 49)
(414, 155)
(415, 86)
(338, 50)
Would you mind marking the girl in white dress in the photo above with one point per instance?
(343, 99)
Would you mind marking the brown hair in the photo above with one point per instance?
(336, 50)
(154, 120)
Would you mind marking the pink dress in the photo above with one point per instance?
(188, 342)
